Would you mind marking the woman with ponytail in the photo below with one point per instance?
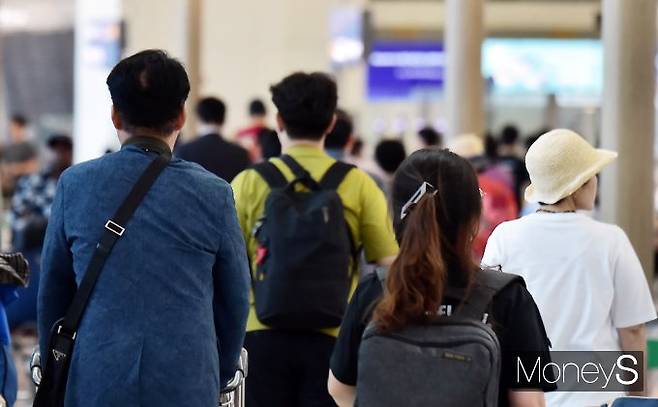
(436, 210)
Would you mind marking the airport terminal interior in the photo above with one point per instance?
(482, 78)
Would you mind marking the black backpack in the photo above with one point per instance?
(305, 250)
(458, 357)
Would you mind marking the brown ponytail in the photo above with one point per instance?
(416, 279)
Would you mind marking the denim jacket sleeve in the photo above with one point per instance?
(57, 284)
(231, 299)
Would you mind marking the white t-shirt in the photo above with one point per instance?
(584, 276)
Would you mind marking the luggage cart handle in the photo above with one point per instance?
(35, 367)
(234, 383)
(240, 374)
(231, 395)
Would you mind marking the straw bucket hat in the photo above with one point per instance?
(467, 145)
(559, 163)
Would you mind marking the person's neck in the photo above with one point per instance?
(209, 128)
(507, 150)
(307, 143)
(562, 207)
(258, 122)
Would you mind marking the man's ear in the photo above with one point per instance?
(180, 120)
(116, 118)
(279, 122)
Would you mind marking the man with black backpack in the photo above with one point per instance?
(305, 217)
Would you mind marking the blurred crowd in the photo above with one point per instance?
(386, 236)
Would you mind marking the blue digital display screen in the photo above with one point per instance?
(408, 70)
(405, 69)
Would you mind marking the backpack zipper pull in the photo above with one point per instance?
(325, 212)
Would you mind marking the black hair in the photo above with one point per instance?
(509, 135)
(149, 90)
(270, 146)
(490, 146)
(306, 103)
(19, 119)
(211, 110)
(342, 131)
(257, 108)
(430, 136)
(60, 140)
(389, 154)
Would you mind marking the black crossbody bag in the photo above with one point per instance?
(57, 357)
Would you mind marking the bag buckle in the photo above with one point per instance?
(59, 332)
(115, 228)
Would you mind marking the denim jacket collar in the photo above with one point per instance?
(148, 144)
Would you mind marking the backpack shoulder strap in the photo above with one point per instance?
(335, 175)
(295, 167)
(497, 280)
(271, 174)
(488, 283)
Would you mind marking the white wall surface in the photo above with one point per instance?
(249, 45)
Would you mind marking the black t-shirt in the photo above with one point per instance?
(514, 317)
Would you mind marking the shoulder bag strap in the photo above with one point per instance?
(114, 229)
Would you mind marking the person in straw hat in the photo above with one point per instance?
(584, 275)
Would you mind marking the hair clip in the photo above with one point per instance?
(424, 188)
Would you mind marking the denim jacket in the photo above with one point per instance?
(166, 319)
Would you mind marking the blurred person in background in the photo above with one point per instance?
(429, 137)
(510, 153)
(28, 216)
(165, 324)
(498, 200)
(531, 207)
(269, 144)
(210, 149)
(19, 156)
(339, 141)
(491, 164)
(389, 154)
(584, 275)
(356, 150)
(356, 154)
(248, 136)
(14, 274)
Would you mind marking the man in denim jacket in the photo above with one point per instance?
(166, 321)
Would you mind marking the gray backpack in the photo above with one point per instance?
(454, 361)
